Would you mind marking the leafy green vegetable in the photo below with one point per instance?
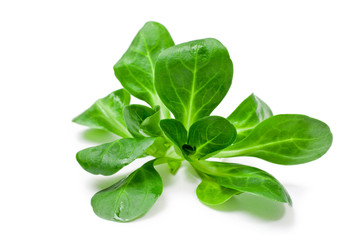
(190, 80)
(210, 135)
(212, 193)
(107, 114)
(284, 139)
(107, 159)
(151, 126)
(173, 163)
(136, 69)
(248, 114)
(134, 115)
(176, 132)
(159, 148)
(245, 179)
(131, 197)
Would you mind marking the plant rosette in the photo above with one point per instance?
(188, 81)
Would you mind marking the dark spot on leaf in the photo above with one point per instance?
(188, 149)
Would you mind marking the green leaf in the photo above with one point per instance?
(151, 126)
(244, 179)
(134, 115)
(210, 192)
(131, 197)
(192, 78)
(284, 139)
(209, 135)
(248, 114)
(173, 163)
(109, 158)
(107, 114)
(175, 131)
(159, 148)
(135, 69)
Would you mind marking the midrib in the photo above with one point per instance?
(192, 91)
(241, 151)
(151, 64)
(112, 119)
(240, 130)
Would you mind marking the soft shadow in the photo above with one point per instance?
(190, 173)
(166, 176)
(158, 207)
(168, 180)
(256, 206)
(98, 136)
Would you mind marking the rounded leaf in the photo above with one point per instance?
(192, 78)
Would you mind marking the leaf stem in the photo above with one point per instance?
(164, 112)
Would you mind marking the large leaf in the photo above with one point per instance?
(248, 114)
(131, 197)
(244, 179)
(175, 131)
(135, 69)
(192, 78)
(134, 115)
(107, 113)
(210, 135)
(284, 139)
(212, 193)
(109, 158)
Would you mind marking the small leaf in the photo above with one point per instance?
(248, 114)
(107, 114)
(244, 179)
(173, 163)
(134, 115)
(192, 78)
(210, 192)
(151, 126)
(175, 131)
(131, 197)
(109, 158)
(159, 148)
(209, 135)
(284, 139)
(135, 69)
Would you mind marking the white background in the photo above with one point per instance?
(56, 59)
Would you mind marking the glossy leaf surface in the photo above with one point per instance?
(248, 114)
(151, 125)
(131, 197)
(134, 115)
(107, 113)
(210, 135)
(192, 78)
(244, 179)
(212, 193)
(135, 69)
(284, 139)
(109, 158)
(175, 131)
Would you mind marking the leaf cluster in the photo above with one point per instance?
(188, 81)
